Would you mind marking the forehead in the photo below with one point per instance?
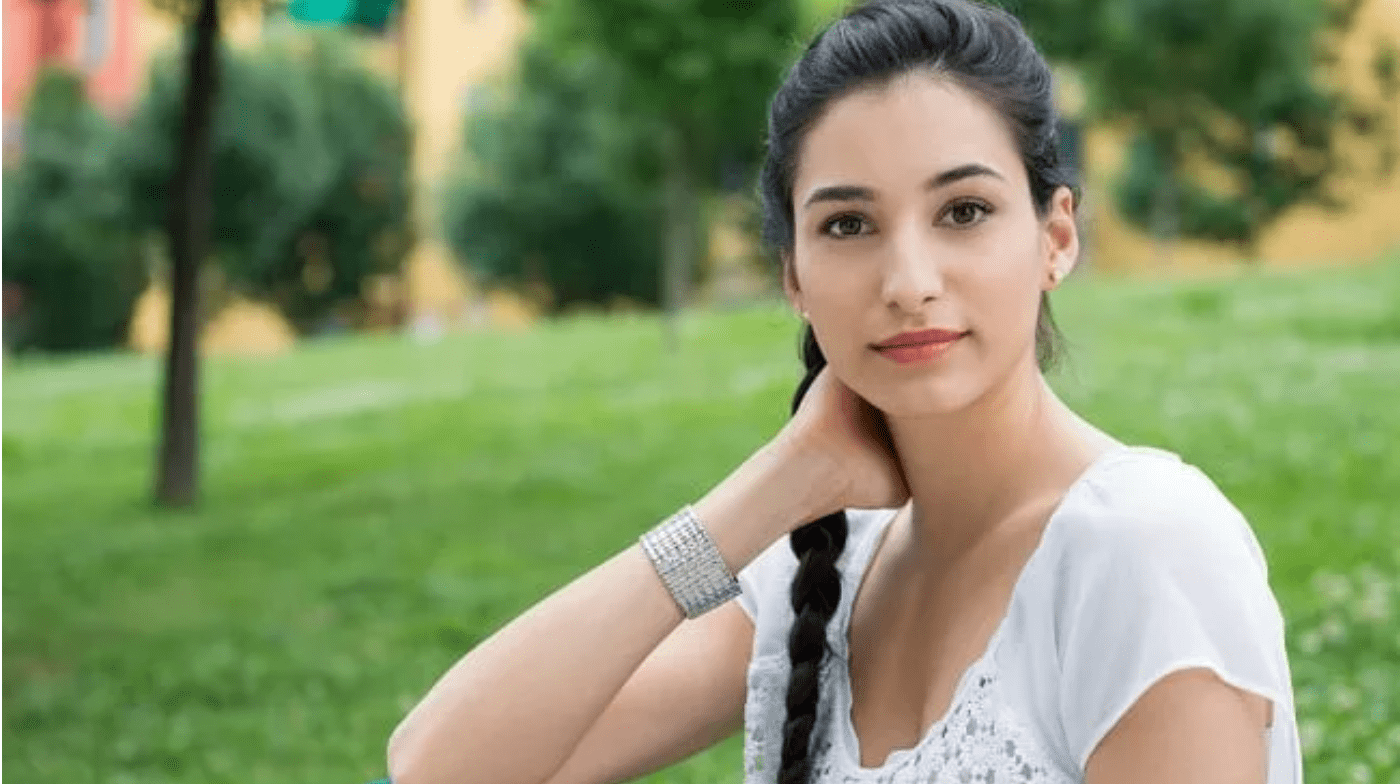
(899, 134)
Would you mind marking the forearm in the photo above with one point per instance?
(513, 709)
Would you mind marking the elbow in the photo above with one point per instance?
(416, 757)
(400, 761)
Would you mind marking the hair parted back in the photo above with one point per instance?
(981, 49)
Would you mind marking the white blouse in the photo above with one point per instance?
(1143, 569)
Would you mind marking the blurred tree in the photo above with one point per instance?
(701, 71)
(276, 132)
(359, 225)
(269, 155)
(553, 190)
(1234, 108)
(310, 152)
(68, 246)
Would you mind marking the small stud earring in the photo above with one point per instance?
(1055, 275)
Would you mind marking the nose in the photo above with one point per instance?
(913, 275)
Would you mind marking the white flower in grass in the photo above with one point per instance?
(1377, 592)
(1310, 733)
(1383, 753)
(1343, 698)
(1334, 588)
(1310, 641)
(1332, 629)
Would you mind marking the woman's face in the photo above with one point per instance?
(912, 211)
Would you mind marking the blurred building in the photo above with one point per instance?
(94, 37)
(454, 47)
(109, 42)
(445, 54)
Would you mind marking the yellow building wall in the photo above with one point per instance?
(158, 32)
(453, 48)
(1306, 235)
(242, 327)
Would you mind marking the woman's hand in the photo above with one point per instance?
(834, 422)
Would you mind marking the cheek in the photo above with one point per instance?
(1007, 288)
(831, 286)
(1013, 254)
(837, 324)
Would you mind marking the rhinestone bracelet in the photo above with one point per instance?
(689, 563)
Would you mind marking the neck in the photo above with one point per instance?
(970, 471)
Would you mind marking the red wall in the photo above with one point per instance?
(96, 37)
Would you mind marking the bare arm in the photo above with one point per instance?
(687, 696)
(1189, 726)
(515, 708)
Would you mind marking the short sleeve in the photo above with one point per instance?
(773, 567)
(1176, 582)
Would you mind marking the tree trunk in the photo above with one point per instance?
(1165, 218)
(1261, 161)
(177, 480)
(679, 233)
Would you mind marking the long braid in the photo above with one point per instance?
(816, 592)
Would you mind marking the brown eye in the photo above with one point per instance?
(968, 213)
(845, 226)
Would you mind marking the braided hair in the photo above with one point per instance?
(981, 49)
(816, 591)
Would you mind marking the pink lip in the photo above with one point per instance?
(918, 346)
(920, 337)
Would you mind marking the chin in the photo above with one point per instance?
(920, 397)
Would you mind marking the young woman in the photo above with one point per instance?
(944, 573)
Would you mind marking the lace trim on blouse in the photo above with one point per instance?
(979, 740)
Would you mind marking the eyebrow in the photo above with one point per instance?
(861, 193)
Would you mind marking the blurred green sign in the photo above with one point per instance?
(373, 14)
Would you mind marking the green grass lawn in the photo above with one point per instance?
(372, 508)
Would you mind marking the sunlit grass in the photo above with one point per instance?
(373, 507)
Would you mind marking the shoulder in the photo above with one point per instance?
(1158, 573)
(1157, 564)
(1152, 506)
(1146, 543)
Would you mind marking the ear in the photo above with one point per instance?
(790, 287)
(1061, 239)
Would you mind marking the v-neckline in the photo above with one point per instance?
(848, 742)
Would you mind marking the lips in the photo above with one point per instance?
(920, 338)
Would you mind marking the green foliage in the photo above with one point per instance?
(705, 69)
(270, 166)
(376, 508)
(1235, 90)
(553, 190)
(68, 247)
(360, 226)
(1199, 213)
(698, 72)
(310, 170)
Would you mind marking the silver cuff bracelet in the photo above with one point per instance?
(689, 563)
